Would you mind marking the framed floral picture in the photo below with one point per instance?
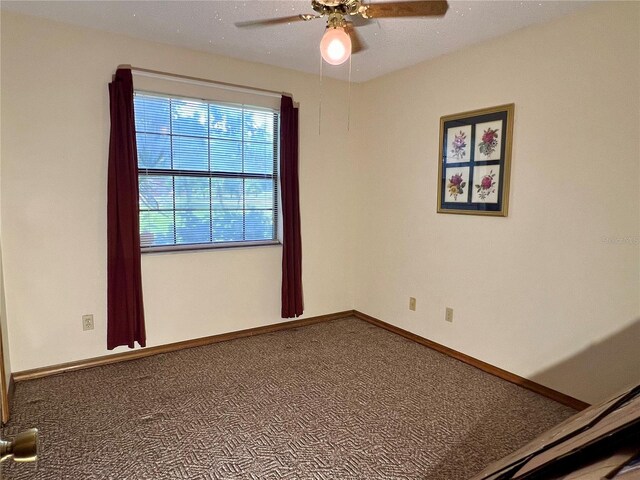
(474, 162)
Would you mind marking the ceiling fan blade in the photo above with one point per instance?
(431, 8)
(357, 44)
(275, 21)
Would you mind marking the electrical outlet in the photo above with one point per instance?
(448, 316)
(87, 322)
(412, 303)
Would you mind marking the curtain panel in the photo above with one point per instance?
(125, 312)
(292, 300)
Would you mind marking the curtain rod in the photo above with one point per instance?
(195, 80)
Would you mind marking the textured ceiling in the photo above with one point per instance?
(209, 26)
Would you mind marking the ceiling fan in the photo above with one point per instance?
(340, 39)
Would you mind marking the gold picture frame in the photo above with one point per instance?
(474, 161)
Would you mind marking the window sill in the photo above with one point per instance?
(207, 246)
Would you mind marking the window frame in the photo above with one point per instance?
(186, 173)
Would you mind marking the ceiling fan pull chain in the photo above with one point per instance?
(320, 101)
(349, 98)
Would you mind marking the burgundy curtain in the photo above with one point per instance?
(125, 313)
(292, 304)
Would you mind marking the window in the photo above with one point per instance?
(207, 172)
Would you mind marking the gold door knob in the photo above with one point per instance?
(23, 448)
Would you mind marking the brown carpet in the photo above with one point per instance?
(337, 400)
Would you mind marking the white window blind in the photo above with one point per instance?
(207, 172)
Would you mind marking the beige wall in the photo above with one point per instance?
(54, 151)
(531, 292)
(534, 289)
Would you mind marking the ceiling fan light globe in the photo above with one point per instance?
(335, 46)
